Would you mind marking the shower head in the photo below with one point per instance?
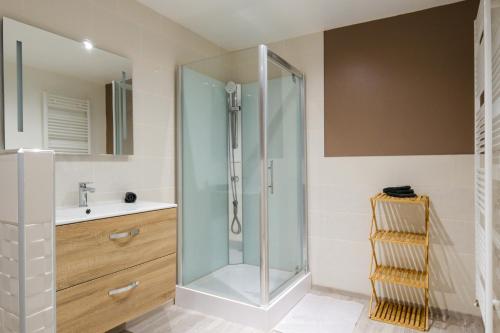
(230, 87)
(233, 91)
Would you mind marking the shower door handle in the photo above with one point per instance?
(271, 176)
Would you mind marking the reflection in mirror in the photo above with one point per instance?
(119, 139)
(64, 95)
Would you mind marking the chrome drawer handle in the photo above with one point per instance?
(119, 235)
(122, 290)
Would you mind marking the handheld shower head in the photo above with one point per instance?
(233, 91)
(230, 87)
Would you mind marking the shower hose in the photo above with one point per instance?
(235, 223)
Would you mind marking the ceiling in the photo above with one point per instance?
(237, 24)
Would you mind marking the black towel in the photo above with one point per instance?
(400, 191)
(397, 188)
(402, 195)
(410, 191)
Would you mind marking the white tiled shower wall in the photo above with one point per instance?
(339, 207)
(155, 45)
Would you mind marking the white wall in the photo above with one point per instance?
(339, 208)
(155, 45)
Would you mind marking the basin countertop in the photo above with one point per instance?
(68, 215)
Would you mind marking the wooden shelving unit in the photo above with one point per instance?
(413, 316)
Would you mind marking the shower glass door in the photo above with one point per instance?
(286, 169)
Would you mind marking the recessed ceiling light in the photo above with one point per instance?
(87, 44)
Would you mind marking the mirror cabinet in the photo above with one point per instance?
(64, 95)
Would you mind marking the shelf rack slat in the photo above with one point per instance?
(409, 316)
(419, 199)
(397, 237)
(406, 277)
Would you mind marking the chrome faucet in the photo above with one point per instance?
(83, 189)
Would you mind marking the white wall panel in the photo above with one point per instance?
(27, 286)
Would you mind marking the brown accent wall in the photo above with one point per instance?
(402, 85)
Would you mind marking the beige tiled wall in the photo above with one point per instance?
(339, 208)
(38, 201)
(28, 177)
(155, 45)
(9, 253)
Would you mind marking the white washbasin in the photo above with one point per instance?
(103, 210)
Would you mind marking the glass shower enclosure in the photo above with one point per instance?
(241, 176)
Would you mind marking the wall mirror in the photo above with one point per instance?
(64, 95)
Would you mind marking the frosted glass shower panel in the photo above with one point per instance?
(204, 177)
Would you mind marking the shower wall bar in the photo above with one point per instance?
(178, 171)
(264, 222)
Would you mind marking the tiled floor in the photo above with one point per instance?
(172, 319)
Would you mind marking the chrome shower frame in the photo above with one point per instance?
(265, 55)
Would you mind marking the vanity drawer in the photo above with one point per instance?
(89, 250)
(89, 307)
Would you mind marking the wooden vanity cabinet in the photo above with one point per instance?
(112, 270)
